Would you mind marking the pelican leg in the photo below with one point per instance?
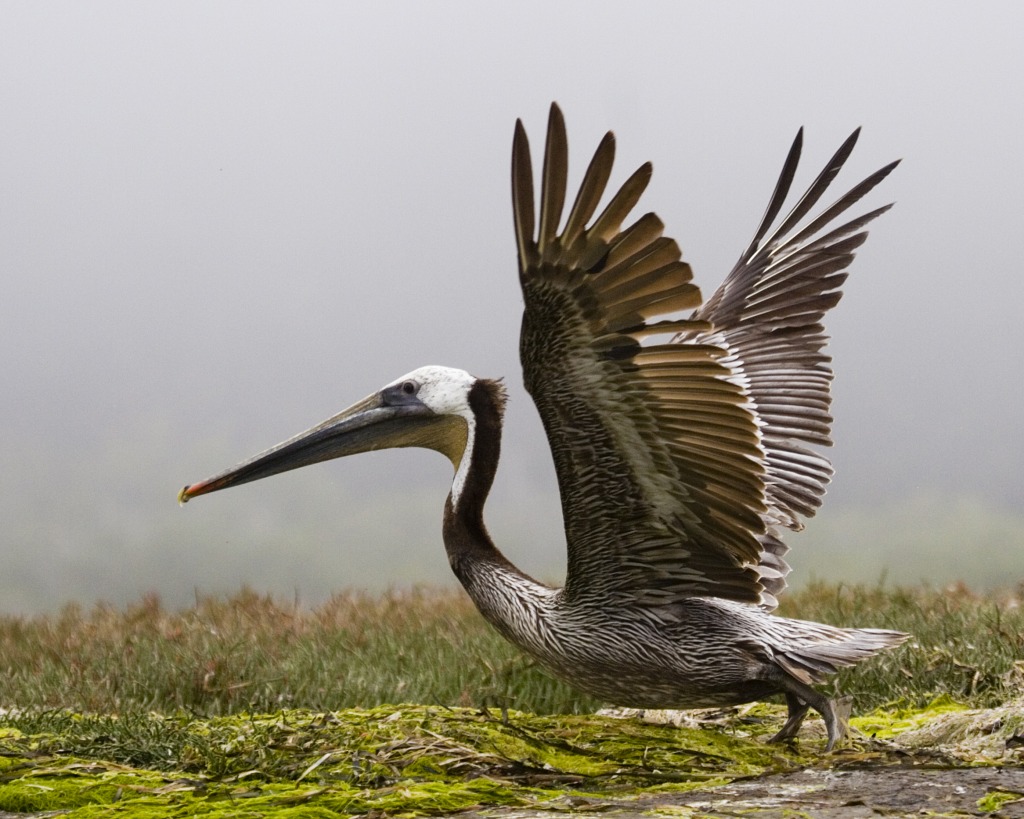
(797, 711)
(806, 697)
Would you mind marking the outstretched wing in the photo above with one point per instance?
(767, 314)
(668, 485)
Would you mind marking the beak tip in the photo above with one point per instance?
(183, 496)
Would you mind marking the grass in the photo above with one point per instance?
(254, 654)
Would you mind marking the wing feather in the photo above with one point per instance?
(677, 461)
(622, 203)
(552, 192)
(768, 314)
(522, 194)
(590, 192)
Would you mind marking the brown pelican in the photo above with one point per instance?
(680, 444)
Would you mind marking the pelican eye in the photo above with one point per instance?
(404, 393)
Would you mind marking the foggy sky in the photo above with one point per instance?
(223, 222)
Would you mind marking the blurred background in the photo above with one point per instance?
(221, 223)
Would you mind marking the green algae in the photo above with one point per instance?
(995, 801)
(886, 723)
(94, 790)
(398, 759)
(403, 760)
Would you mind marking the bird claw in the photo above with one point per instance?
(837, 722)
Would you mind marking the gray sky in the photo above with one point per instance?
(220, 223)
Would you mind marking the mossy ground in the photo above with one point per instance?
(400, 759)
(413, 760)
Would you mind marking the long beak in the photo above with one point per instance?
(367, 425)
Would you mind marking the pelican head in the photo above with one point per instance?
(431, 407)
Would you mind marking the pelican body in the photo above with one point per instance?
(680, 462)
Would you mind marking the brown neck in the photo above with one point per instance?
(465, 536)
(511, 601)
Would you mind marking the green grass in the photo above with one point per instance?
(252, 653)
